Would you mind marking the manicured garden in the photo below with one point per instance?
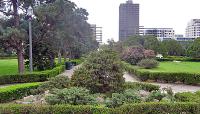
(190, 67)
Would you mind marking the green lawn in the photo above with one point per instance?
(8, 66)
(192, 67)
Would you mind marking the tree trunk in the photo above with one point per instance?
(59, 57)
(20, 50)
(20, 58)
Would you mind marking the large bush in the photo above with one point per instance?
(135, 54)
(73, 96)
(101, 72)
(148, 63)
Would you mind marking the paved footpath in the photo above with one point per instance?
(69, 73)
(175, 87)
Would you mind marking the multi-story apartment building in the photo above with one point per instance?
(193, 29)
(181, 38)
(160, 33)
(128, 20)
(97, 33)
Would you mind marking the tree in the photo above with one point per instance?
(133, 54)
(194, 49)
(148, 42)
(101, 72)
(171, 48)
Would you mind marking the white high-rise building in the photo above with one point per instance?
(193, 29)
(160, 33)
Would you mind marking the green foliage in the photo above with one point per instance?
(148, 63)
(101, 72)
(171, 48)
(143, 86)
(18, 91)
(58, 82)
(144, 75)
(133, 54)
(73, 96)
(148, 42)
(194, 49)
(33, 77)
(188, 97)
(141, 108)
(118, 99)
(155, 95)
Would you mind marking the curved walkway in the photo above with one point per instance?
(175, 87)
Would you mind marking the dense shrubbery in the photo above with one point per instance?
(188, 97)
(135, 54)
(101, 72)
(33, 77)
(141, 108)
(73, 96)
(187, 78)
(58, 82)
(118, 99)
(179, 58)
(148, 63)
(16, 91)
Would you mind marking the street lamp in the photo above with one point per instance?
(30, 14)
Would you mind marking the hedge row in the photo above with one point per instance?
(33, 77)
(143, 86)
(142, 108)
(168, 77)
(14, 92)
(175, 58)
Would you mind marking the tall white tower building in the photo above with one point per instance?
(193, 29)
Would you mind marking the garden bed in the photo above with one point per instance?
(172, 76)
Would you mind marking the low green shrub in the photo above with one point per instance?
(73, 96)
(33, 77)
(143, 86)
(58, 82)
(18, 91)
(188, 97)
(148, 63)
(141, 108)
(168, 77)
(155, 95)
(118, 99)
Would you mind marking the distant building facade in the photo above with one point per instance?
(97, 33)
(181, 38)
(128, 20)
(160, 33)
(193, 29)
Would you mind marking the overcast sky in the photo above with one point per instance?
(153, 13)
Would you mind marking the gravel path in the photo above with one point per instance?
(69, 73)
(175, 87)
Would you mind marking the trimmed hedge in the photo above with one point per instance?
(141, 108)
(168, 77)
(14, 92)
(33, 77)
(143, 86)
(179, 58)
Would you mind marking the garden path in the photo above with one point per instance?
(175, 87)
(69, 73)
